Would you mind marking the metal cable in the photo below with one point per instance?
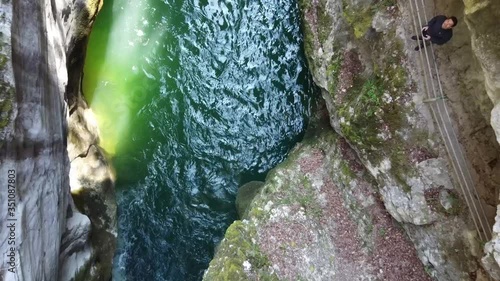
(467, 174)
(448, 142)
(441, 122)
(458, 152)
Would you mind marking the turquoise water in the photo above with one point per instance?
(193, 98)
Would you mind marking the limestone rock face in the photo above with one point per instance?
(92, 185)
(41, 59)
(373, 103)
(317, 217)
(481, 18)
(495, 120)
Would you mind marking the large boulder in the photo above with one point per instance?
(317, 217)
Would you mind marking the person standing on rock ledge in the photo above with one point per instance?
(438, 31)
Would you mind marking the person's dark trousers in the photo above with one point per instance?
(421, 38)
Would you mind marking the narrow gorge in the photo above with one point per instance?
(265, 140)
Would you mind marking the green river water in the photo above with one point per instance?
(193, 98)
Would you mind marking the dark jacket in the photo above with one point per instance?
(438, 34)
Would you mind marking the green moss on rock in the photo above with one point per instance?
(372, 114)
(3, 61)
(360, 18)
(453, 204)
(333, 72)
(6, 91)
(6, 100)
(346, 171)
(361, 127)
(238, 257)
(246, 193)
(305, 196)
(324, 21)
(308, 43)
(456, 204)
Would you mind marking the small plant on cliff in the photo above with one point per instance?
(359, 18)
(371, 96)
(333, 72)
(372, 91)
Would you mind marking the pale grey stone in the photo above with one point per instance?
(52, 237)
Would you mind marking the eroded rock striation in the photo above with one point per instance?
(42, 50)
(361, 56)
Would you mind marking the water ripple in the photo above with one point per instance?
(216, 93)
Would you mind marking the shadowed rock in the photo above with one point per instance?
(41, 75)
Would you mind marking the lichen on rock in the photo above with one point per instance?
(317, 217)
(7, 90)
(241, 258)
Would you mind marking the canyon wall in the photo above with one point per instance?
(41, 60)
